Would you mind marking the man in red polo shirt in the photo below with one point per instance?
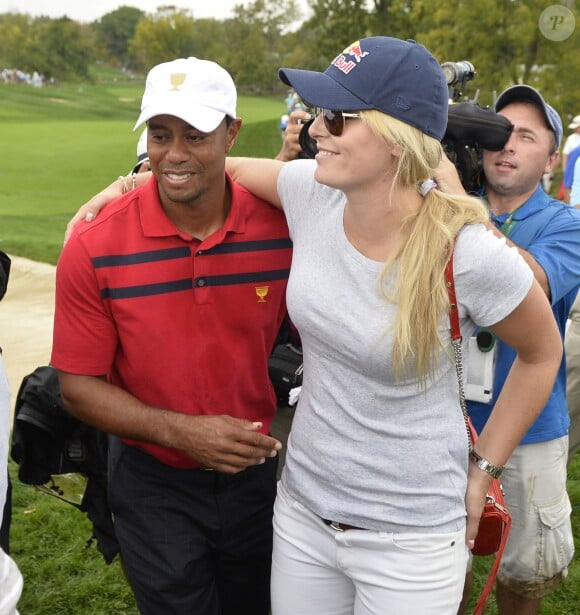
(167, 308)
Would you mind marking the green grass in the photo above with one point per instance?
(62, 574)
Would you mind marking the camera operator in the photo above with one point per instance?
(546, 232)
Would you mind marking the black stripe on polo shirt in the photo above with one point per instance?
(243, 278)
(137, 258)
(163, 288)
(146, 290)
(249, 246)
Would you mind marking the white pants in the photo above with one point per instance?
(10, 585)
(319, 571)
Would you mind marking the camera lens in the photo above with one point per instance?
(485, 340)
(308, 145)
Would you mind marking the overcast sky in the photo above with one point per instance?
(89, 10)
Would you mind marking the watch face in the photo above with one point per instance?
(485, 465)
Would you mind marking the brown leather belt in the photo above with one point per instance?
(341, 527)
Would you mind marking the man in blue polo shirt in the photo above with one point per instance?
(546, 232)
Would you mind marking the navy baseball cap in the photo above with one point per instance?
(399, 78)
(526, 93)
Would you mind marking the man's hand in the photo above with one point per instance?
(223, 443)
(447, 177)
(291, 145)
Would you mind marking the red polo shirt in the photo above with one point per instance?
(181, 324)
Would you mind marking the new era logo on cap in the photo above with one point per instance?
(199, 92)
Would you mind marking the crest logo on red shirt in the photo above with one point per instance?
(262, 293)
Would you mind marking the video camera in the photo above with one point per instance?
(470, 128)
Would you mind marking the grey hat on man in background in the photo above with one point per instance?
(526, 93)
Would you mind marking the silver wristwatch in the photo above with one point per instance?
(485, 465)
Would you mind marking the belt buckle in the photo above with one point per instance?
(335, 525)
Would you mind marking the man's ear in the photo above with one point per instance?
(233, 130)
(552, 162)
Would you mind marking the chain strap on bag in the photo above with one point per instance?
(495, 522)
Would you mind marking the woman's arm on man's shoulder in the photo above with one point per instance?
(258, 175)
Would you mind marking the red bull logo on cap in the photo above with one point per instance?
(346, 65)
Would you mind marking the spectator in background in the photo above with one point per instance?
(546, 233)
(572, 142)
(571, 181)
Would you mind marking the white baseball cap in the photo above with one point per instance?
(575, 123)
(199, 92)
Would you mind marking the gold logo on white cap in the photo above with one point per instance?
(177, 79)
(262, 292)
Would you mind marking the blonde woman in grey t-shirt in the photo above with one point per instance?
(371, 509)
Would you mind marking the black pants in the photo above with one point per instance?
(193, 541)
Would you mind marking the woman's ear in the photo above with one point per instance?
(397, 151)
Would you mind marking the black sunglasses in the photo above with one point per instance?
(334, 119)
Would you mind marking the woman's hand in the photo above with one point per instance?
(92, 207)
(478, 483)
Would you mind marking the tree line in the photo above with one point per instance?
(501, 38)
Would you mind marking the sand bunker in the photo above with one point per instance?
(26, 315)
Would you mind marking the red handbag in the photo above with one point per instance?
(495, 522)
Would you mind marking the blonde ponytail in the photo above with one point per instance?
(420, 292)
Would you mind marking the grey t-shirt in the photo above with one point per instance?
(365, 448)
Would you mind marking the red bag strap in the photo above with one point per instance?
(453, 312)
(456, 341)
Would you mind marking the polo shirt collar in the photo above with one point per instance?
(535, 203)
(155, 222)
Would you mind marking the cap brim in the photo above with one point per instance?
(200, 117)
(320, 90)
(573, 126)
